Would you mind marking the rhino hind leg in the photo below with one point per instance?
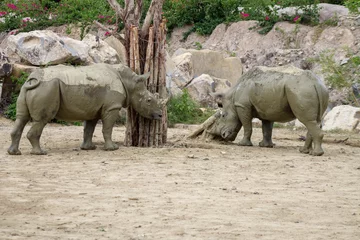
(267, 128)
(108, 119)
(315, 136)
(16, 135)
(307, 148)
(89, 127)
(34, 137)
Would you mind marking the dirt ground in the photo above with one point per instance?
(186, 190)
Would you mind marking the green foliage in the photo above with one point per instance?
(183, 109)
(28, 15)
(340, 76)
(353, 5)
(10, 111)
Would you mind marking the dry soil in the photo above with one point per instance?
(189, 189)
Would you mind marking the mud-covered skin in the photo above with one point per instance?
(86, 94)
(273, 95)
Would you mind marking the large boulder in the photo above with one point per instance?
(40, 48)
(344, 117)
(202, 88)
(210, 62)
(100, 51)
(118, 47)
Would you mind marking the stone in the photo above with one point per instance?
(39, 48)
(118, 46)
(344, 117)
(201, 88)
(100, 51)
(210, 62)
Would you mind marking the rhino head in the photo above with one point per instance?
(143, 101)
(227, 123)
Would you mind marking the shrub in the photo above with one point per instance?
(27, 15)
(353, 5)
(183, 109)
(338, 76)
(10, 111)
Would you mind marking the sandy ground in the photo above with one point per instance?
(186, 190)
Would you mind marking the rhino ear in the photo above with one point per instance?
(142, 78)
(218, 97)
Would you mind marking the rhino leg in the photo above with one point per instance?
(16, 135)
(246, 120)
(316, 134)
(89, 127)
(108, 120)
(43, 103)
(34, 137)
(267, 128)
(307, 148)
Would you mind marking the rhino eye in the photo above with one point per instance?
(224, 114)
(148, 100)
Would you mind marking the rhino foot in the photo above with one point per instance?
(111, 147)
(14, 151)
(317, 153)
(305, 150)
(88, 147)
(38, 152)
(266, 144)
(245, 142)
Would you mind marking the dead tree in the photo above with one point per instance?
(145, 52)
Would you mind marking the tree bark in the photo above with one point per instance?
(145, 53)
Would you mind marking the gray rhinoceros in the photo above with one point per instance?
(278, 94)
(86, 93)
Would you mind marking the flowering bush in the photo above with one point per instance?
(27, 15)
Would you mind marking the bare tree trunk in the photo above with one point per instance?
(145, 53)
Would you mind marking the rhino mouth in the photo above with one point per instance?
(228, 135)
(157, 116)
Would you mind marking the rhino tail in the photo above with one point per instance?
(321, 94)
(31, 83)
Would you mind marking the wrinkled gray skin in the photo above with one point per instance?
(87, 93)
(273, 95)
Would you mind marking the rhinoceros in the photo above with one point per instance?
(85, 93)
(278, 94)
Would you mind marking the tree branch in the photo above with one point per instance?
(113, 32)
(148, 19)
(116, 6)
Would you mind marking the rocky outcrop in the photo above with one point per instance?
(202, 87)
(40, 48)
(202, 72)
(100, 51)
(342, 117)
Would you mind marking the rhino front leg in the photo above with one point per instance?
(267, 128)
(108, 124)
(245, 119)
(89, 127)
(34, 137)
(16, 135)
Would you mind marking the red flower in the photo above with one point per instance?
(13, 32)
(12, 6)
(267, 18)
(101, 16)
(2, 14)
(245, 15)
(297, 19)
(107, 34)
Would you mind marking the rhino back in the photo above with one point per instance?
(84, 91)
(266, 90)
